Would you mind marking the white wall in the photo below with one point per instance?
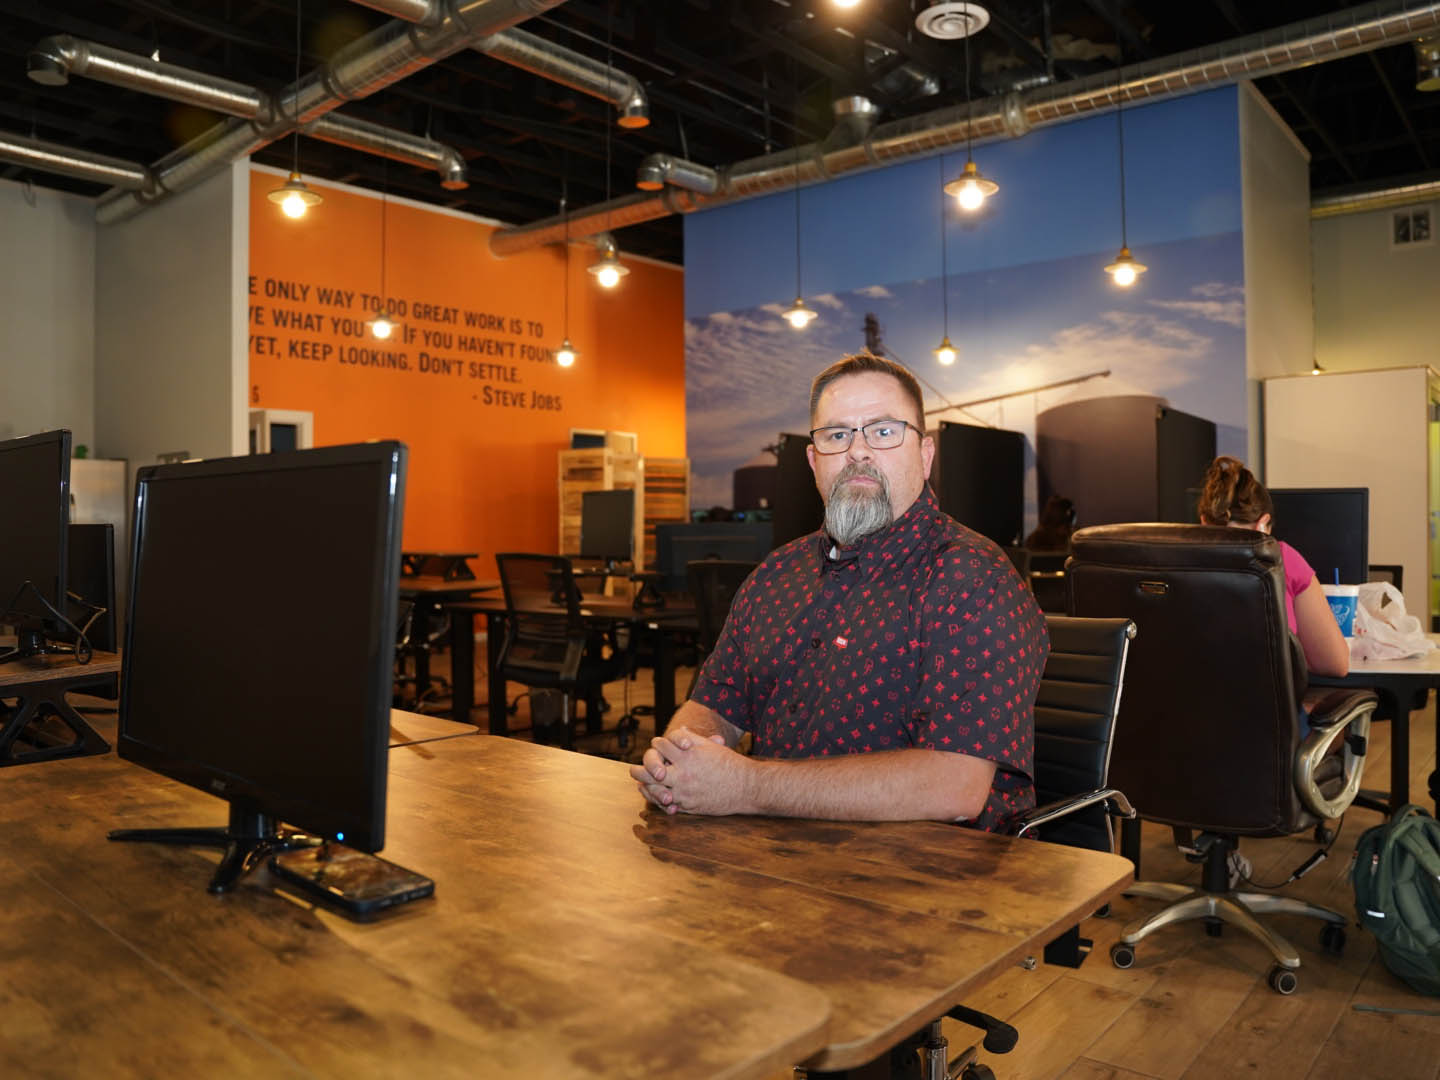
(47, 283)
(1279, 321)
(171, 364)
(1375, 306)
(1361, 429)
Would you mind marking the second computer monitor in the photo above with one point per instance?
(607, 525)
(1329, 526)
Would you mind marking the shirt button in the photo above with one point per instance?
(814, 642)
(793, 707)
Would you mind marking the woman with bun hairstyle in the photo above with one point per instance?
(1232, 496)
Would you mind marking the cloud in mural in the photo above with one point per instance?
(1218, 302)
(829, 300)
(875, 292)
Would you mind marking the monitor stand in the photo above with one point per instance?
(28, 643)
(250, 838)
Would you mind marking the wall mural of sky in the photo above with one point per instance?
(1019, 319)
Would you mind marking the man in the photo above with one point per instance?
(886, 665)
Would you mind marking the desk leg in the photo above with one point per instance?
(664, 680)
(1400, 756)
(462, 664)
(420, 638)
(33, 703)
(494, 628)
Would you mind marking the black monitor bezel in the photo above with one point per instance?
(618, 495)
(367, 834)
(47, 624)
(1278, 527)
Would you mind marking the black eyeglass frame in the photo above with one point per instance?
(864, 430)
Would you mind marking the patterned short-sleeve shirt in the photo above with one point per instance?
(920, 635)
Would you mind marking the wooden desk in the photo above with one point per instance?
(573, 933)
(661, 624)
(41, 684)
(429, 594)
(1396, 683)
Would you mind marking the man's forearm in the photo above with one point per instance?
(895, 785)
(704, 721)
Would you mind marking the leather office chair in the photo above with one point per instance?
(713, 584)
(1075, 712)
(1209, 735)
(547, 645)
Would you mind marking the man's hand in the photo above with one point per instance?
(685, 771)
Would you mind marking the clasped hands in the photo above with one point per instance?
(693, 773)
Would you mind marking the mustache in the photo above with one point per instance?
(857, 469)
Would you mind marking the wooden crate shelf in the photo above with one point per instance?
(662, 484)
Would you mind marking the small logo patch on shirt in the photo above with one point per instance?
(840, 643)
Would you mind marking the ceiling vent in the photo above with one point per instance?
(951, 21)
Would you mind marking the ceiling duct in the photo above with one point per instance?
(1323, 206)
(50, 157)
(396, 145)
(657, 170)
(539, 56)
(382, 57)
(855, 118)
(1326, 37)
(908, 82)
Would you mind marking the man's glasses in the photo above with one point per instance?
(879, 435)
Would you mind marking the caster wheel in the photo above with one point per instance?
(1332, 938)
(1122, 955)
(1324, 834)
(1103, 913)
(977, 1072)
(1282, 980)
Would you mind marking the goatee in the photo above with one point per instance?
(856, 510)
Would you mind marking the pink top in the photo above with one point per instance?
(1298, 573)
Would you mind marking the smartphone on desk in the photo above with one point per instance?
(356, 882)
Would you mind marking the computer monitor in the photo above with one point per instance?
(1329, 526)
(218, 690)
(607, 525)
(90, 581)
(34, 512)
(678, 545)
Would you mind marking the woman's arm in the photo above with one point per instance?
(1326, 650)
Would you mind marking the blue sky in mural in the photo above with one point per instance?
(1172, 336)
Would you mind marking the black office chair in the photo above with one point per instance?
(1209, 736)
(1047, 580)
(1075, 712)
(547, 645)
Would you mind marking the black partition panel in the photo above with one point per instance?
(980, 479)
(798, 508)
(1184, 448)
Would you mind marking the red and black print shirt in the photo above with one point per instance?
(920, 635)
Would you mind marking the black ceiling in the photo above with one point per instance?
(726, 79)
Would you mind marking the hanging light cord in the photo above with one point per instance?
(944, 256)
(295, 104)
(1120, 124)
(384, 199)
(565, 221)
(609, 60)
(795, 88)
(969, 108)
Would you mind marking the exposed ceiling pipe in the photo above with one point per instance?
(382, 57)
(50, 157)
(539, 56)
(56, 59)
(657, 170)
(396, 145)
(1326, 37)
(1324, 206)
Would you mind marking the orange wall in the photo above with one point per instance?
(483, 438)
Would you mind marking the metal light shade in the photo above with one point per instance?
(609, 269)
(383, 326)
(294, 197)
(971, 188)
(566, 355)
(1124, 270)
(798, 315)
(945, 352)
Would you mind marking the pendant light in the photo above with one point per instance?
(608, 269)
(944, 352)
(293, 197)
(384, 323)
(797, 314)
(566, 355)
(970, 188)
(1125, 269)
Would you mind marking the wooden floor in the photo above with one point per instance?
(1199, 1007)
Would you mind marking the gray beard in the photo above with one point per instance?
(853, 512)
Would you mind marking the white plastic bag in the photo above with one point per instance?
(1382, 629)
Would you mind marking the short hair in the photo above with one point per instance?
(1232, 493)
(867, 363)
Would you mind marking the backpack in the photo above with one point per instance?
(1396, 875)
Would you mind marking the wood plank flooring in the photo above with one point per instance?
(1195, 1007)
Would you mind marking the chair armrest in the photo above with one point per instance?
(1328, 706)
(1020, 824)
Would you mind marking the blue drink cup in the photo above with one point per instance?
(1344, 599)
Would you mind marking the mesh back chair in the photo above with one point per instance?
(713, 584)
(1236, 761)
(547, 645)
